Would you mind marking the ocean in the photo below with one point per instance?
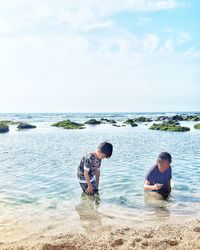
(38, 169)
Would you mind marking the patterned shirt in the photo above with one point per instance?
(155, 176)
(91, 163)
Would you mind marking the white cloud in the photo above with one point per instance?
(25, 15)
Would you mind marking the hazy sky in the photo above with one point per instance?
(99, 55)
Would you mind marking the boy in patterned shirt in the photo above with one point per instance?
(88, 172)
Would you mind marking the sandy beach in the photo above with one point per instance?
(174, 233)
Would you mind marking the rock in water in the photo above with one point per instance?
(197, 126)
(93, 122)
(131, 122)
(25, 126)
(3, 128)
(105, 120)
(67, 124)
(142, 119)
(169, 126)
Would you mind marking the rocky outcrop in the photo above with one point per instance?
(105, 120)
(25, 126)
(131, 122)
(142, 119)
(93, 122)
(3, 127)
(67, 124)
(169, 126)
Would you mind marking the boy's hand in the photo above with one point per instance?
(90, 189)
(157, 186)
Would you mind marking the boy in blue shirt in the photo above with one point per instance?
(88, 172)
(158, 178)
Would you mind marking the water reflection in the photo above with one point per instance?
(88, 212)
(158, 204)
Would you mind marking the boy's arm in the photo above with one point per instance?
(90, 187)
(147, 186)
(97, 175)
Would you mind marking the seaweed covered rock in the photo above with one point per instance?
(131, 122)
(9, 122)
(105, 120)
(67, 124)
(197, 126)
(3, 127)
(93, 122)
(169, 126)
(142, 119)
(25, 126)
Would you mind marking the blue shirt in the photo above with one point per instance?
(155, 176)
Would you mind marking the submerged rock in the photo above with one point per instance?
(115, 125)
(169, 126)
(197, 126)
(25, 126)
(93, 122)
(3, 127)
(67, 124)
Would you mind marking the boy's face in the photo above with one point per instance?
(163, 163)
(101, 155)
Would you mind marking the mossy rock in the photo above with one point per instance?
(142, 119)
(93, 122)
(23, 125)
(3, 127)
(197, 126)
(166, 126)
(9, 122)
(105, 120)
(130, 122)
(67, 124)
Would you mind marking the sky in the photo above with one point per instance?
(99, 55)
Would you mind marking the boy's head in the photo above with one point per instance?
(104, 150)
(164, 159)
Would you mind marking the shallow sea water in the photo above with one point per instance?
(38, 172)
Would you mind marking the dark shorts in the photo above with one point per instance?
(84, 186)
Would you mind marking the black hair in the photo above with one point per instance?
(106, 148)
(165, 156)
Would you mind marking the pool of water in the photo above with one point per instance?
(38, 167)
